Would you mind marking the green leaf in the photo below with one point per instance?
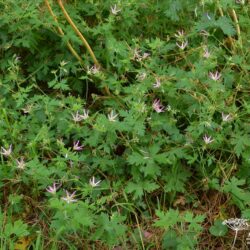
(136, 159)
(246, 214)
(109, 228)
(139, 188)
(170, 240)
(19, 229)
(194, 221)
(151, 169)
(134, 188)
(226, 25)
(175, 179)
(239, 195)
(240, 141)
(167, 219)
(173, 10)
(218, 229)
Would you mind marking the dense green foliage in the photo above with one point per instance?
(149, 151)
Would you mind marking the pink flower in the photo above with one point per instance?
(180, 34)
(77, 147)
(157, 106)
(112, 116)
(225, 117)
(115, 10)
(207, 139)
(204, 33)
(20, 163)
(138, 56)
(93, 70)
(183, 45)
(157, 84)
(77, 117)
(52, 189)
(215, 76)
(93, 182)
(69, 197)
(6, 152)
(206, 53)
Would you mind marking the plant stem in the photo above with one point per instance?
(235, 237)
(221, 13)
(234, 16)
(85, 43)
(72, 50)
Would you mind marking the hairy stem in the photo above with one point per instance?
(229, 37)
(72, 50)
(235, 18)
(85, 43)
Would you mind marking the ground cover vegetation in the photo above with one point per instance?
(124, 124)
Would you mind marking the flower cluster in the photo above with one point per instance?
(93, 70)
(69, 198)
(77, 147)
(94, 183)
(157, 106)
(141, 76)
(225, 117)
(112, 116)
(157, 83)
(182, 45)
(236, 224)
(207, 139)
(114, 10)
(6, 152)
(206, 53)
(215, 76)
(182, 42)
(20, 163)
(77, 117)
(138, 56)
(52, 189)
